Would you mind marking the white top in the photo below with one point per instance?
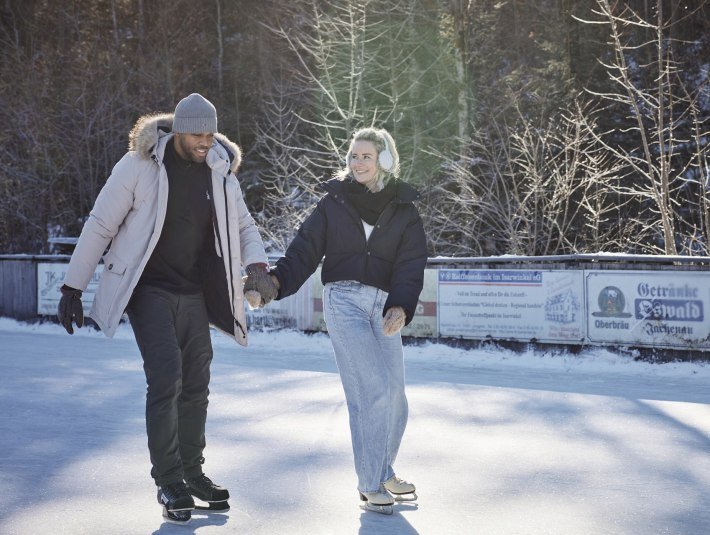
(368, 229)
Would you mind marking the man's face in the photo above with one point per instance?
(193, 147)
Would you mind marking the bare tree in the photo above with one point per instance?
(658, 100)
(358, 64)
(471, 90)
(68, 98)
(535, 189)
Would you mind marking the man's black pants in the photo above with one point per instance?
(173, 336)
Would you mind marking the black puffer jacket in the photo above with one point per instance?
(393, 259)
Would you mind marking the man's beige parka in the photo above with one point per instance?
(129, 213)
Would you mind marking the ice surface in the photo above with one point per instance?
(497, 442)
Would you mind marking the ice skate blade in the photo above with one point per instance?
(382, 509)
(213, 507)
(412, 497)
(177, 517)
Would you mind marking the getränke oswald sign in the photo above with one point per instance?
(652, 309)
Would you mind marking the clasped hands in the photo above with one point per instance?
(260, 287)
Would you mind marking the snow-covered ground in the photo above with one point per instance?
(497, 443)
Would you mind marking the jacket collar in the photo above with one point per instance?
(405, 192)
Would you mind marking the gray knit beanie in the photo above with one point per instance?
(195, 115)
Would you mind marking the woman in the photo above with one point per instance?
(372, 237)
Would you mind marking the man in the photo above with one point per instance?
(173, 213)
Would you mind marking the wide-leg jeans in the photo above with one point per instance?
(172, 332)
(371, 367)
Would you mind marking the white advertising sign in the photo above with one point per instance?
(512, 304)
(50, 278)
(649, 308)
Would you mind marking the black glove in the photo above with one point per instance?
(258, 280)
(70, 308)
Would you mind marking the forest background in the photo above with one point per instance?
(530, 127)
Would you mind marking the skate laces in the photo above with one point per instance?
(201, 482)
(178, 489)
(175, 495)
(397, 485)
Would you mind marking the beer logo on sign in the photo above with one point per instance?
(611, 302)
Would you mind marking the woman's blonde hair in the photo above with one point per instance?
(384, 143)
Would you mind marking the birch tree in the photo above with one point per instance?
(357, 63)
(547, 189)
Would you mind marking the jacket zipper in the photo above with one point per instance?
(379, 217)
(229, 251)
(358, 220)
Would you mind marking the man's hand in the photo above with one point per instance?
(259, 287)
(393, 321)
(70, 308)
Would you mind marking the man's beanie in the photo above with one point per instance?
(195, 115)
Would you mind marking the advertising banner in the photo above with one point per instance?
(50, 277)
(424, 324)
(645, 308)
(511, 304)
(292, 312)
(649, 308)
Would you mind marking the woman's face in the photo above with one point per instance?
(363, 161)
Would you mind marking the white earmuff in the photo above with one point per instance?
(385, 158)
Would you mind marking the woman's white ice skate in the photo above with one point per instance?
(379, 502)
(402, 490)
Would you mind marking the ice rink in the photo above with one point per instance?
(497, 443)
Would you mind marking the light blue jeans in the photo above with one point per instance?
(371, 369)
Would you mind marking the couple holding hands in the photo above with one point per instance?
(179, 232)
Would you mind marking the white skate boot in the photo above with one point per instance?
(379, 502)
(402, 490)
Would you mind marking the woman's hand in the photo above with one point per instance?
(393, 321)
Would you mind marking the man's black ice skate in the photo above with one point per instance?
(202, 488)
(177, 502)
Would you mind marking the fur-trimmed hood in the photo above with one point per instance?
(148, 129)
